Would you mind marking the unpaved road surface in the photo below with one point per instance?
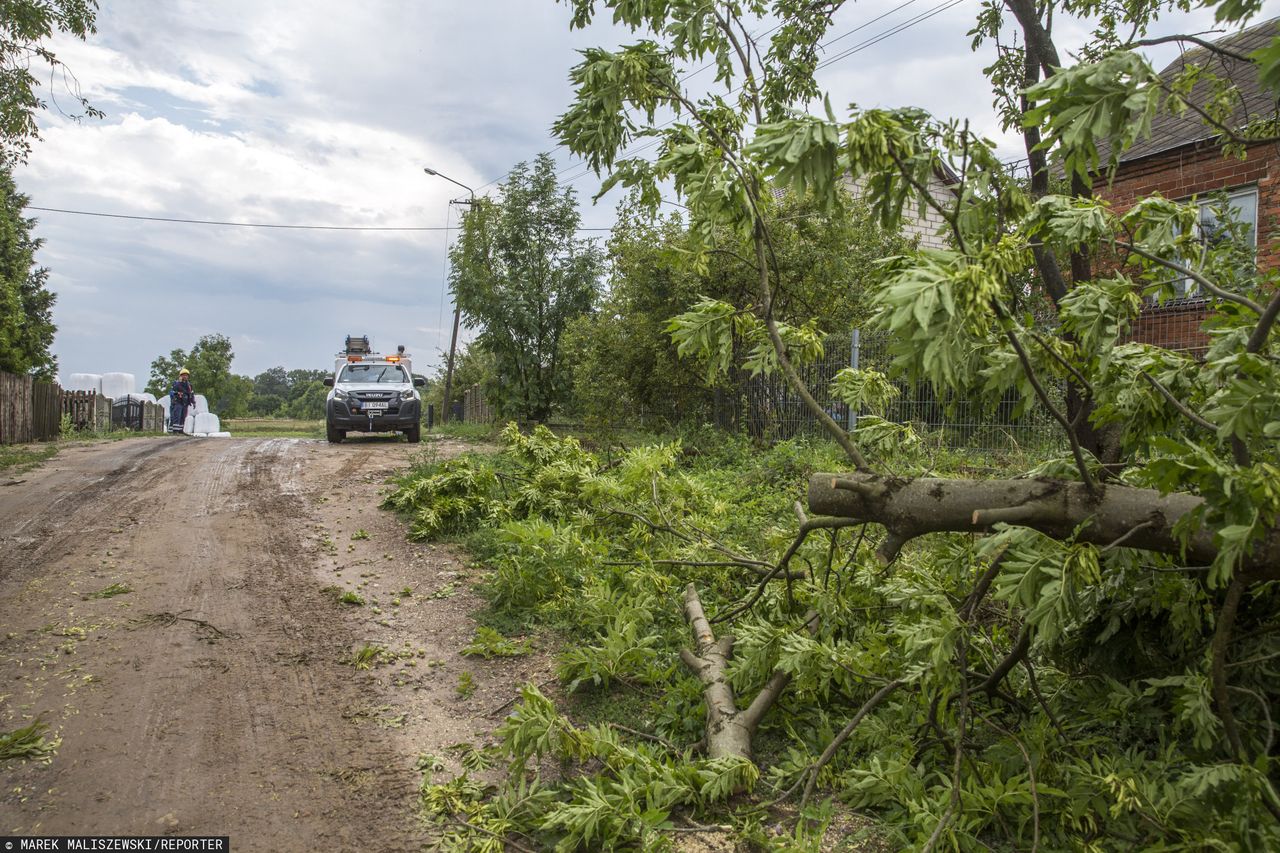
(217, 696)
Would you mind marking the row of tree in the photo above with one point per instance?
(567, 325)
(275, 392)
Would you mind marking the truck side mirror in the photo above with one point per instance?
(328, 382)
(419, 381)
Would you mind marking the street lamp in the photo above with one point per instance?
(457, 312)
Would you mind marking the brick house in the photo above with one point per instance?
(1182, 160)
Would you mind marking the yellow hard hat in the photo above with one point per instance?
(184, 371)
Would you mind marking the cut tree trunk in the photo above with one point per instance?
(1116, 515)
(729, 730)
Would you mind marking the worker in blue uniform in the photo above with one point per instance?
(181, 398)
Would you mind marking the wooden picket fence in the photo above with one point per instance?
(32, 411)
(88, 410)
(29, 410)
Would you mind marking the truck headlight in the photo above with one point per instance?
(408, 394)
(339, 394)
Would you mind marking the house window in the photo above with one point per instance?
(1242, 208)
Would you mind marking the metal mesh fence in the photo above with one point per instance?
(765, 406)
(1174, 325)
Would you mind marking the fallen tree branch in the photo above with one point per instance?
(1015, 656)
(729, 730)
(1061, 509)
(1221, 639)
(811, 775)
(807, 525)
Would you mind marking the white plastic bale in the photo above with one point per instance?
(116, 385)
(219, 435)
(202, 405)
(189, 425)
(205, 422)
(84, 382)
(147, 397)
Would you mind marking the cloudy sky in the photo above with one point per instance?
(320, 112)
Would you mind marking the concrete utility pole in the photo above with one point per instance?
(457, 314)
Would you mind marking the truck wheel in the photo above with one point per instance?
(335, 436)
(414, 434)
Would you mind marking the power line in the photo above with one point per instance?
(255, 224)
(236, 224)
(876, 39)
(892, 31)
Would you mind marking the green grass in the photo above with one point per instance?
(274, 427)
(18, 458)
(466, 431)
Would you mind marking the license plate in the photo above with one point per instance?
(372, 406)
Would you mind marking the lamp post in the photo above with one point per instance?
(457, 313)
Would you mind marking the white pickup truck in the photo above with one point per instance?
(373, 393)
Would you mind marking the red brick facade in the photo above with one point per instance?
(1191, 170)
(1179, 174)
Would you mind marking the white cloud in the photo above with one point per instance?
(325, 112)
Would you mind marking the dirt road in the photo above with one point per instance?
(217, 696)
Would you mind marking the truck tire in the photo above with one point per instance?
(414, 434)
(335, 436)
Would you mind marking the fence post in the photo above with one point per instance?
(855, 338)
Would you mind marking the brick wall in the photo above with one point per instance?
(1190, 171)
(1174, 326)
(927, 224)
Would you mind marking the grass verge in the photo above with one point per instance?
(18, 458)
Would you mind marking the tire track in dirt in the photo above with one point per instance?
(210, 699)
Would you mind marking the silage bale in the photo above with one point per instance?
(116, 385)
(206, 423)
(84, 382)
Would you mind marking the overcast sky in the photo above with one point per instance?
(320, 112)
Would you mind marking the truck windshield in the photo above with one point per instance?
(373, 373)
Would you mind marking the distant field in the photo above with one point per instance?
(273, 428)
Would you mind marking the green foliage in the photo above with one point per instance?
(488, 644)
(210, 364)
(864, 389)
(603, 552)
(1031, 690)
(472, 366)
(26, 303)
(26, 28)
(520, 276)
(624, 360)
(109, 591)
(29, 743)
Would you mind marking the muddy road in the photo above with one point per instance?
(217, 695)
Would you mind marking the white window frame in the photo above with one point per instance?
(1188, 289)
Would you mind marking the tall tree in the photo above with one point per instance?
(520, 274)
(26, 305)
(25, 29)
(210, 364)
